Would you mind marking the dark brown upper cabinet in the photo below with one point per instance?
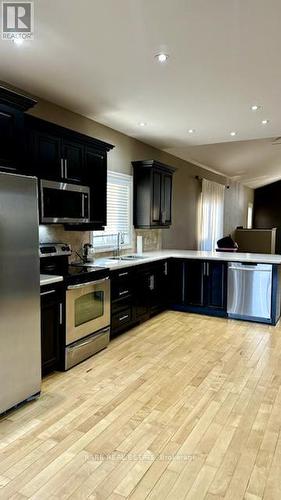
(56, 153)
(12, 143)
(59, 153)
(152, 194)
(96, 166)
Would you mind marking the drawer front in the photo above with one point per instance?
(83, 349)
(121, 292)
(122, 318)
(121, 276)
(121, 284)
(118, 305)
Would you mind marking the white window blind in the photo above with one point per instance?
(119, 213)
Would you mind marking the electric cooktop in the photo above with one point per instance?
(54, 260)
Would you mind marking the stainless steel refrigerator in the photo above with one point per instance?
(20, 356)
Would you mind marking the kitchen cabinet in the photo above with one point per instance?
(205, 286)
(144, 286)
(74, 166)
(122, 299)
(158, 300)
(46, 156)
(12, 144)
(152, 194)
(51, 327)
(60, 154)
(54, 156)
(137, 293)
(96, 168)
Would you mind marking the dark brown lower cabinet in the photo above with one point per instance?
(199, 286)
(51, 327)
(137, 293)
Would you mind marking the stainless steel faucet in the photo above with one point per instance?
(120, 242)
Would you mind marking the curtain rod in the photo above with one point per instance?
(201, 179)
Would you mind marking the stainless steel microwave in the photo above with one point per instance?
(62, 202)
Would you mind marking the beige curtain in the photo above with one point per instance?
(210, 216)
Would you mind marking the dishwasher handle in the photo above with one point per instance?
(233, 268)
(258, 267)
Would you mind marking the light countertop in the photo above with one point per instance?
(190, 254)
(48, 279)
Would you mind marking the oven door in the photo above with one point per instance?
(87, 309)
(61, 202)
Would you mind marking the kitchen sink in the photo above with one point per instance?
(128, 257)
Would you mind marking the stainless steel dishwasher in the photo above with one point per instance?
(249, 291)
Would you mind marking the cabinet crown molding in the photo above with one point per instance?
(153, 163)
(16, 100)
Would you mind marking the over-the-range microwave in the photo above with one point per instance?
(64, 203)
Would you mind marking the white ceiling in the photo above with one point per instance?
(97, 58)
(253, 163)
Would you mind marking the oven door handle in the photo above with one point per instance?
(82, 285)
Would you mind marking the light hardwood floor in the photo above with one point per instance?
(183, 406)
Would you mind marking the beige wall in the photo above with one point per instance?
(183, 232)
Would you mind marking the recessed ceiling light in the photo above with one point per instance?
(162, 58)
(265, 122)
(233, 133)
(142, 124)
(255, 107)
(18, 41)
(191, 131)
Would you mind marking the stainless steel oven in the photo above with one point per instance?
(87, 320)
(62, 202)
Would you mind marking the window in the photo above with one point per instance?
(211, 209)
(119, 213)
(250, 216)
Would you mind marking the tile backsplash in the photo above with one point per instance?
(152, 238)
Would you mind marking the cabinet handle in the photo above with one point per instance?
(183, 283)
(62, 168)
(122, 274)
(60, 313)
(166, 268)
(65, 168)
(47, 293)
(207, 269)
(123, 317)
(151, 282)
(123, 293)
(204, 269)
(83, 206)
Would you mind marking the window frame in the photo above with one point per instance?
(128, 179)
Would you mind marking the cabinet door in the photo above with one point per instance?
(159, 287)
(156, 197)
(11, 142)
(73, 154)
(194, 283)
(142, 294)
(96, 174)
(216, 285)
(51, 310)
(176, 281)
(166, 199)
(47, 155)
